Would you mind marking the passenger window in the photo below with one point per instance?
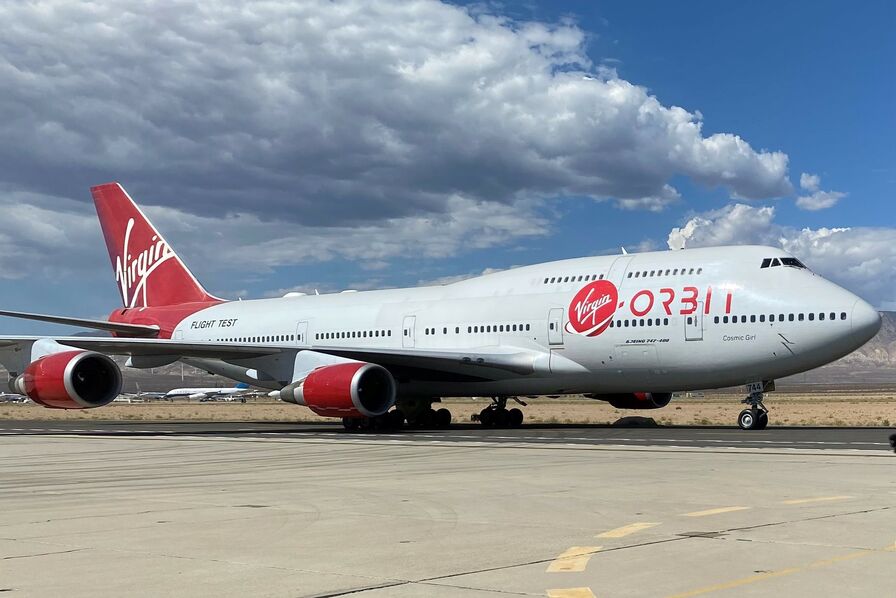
(753, 318)
(801, 317)
(780, 317)
(725, 320)
(842, 315)
(652, 272)
(821, 316)
(666, 321)
(743, 319)
(762, 317)
(833, 316)
(527, 327)
(675, 271)
(602, 276)
(642, 323)
(811, 317)
(637, 274)
(691, 271)
(545, 281)
(625, 323)
(629, 275)
(690, 320)
(552, 279)
(716, 319)
(699, 270)
(790, 317)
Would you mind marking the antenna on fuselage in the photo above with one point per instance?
(624, 252)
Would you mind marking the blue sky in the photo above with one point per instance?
(319, 168)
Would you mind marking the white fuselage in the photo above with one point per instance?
(684, 320)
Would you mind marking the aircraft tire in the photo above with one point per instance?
(515, 417)
(442, 418)
(486, 417)
(763, 421)
(747, 420)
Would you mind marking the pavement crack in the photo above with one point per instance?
(28, 556)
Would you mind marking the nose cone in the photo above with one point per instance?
(866, 321)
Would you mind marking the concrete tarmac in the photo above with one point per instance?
(147, 510)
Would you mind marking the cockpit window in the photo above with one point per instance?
(793, 262)
(771, 262)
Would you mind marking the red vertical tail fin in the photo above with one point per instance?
(148, 272)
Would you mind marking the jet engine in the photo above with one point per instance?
(350, 389)
(636, 400)
(71, 380)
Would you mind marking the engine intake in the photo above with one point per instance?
(351, 389)
(71, 380)
(636, 400)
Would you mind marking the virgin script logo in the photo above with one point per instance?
(592, 308)
(132, 272)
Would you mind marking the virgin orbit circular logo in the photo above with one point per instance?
(592, 308)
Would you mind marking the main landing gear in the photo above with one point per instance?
(756, 417)
(415, 412)
(499, 416)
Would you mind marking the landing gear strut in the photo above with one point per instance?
(756, 417)
(499, 416)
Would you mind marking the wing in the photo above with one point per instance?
(131, 329)
(486, 362)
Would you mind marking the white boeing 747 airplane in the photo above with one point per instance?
(627, 329)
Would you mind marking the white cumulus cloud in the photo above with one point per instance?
(339, 112)
(816, 198)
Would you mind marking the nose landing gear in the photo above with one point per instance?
(756, 417)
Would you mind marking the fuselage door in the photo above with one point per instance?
(693, 324)
(407, 332)
(302, 333)
(555, 326)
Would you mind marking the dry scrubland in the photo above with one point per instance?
(815, 408)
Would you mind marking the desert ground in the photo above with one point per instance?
(816, 407)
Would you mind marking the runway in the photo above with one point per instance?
(701, 437)
(154, 508)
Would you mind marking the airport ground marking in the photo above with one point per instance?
(805, 501)
(571, 593)
(718, 511)
(743, 581)
(626, 530)
(573, 560)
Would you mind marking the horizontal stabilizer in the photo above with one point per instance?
(129, 329)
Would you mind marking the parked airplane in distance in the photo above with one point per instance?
(231, 393)
(627, 329)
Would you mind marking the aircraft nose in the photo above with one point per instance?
(866, 320)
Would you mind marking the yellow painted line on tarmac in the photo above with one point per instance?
(805, 501)
(627, 530)
(571, 593)
(743, 581)
(718, 511)
(573, 560)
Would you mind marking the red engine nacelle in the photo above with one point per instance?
(637, 400)
(351, 389)
(71, 380)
